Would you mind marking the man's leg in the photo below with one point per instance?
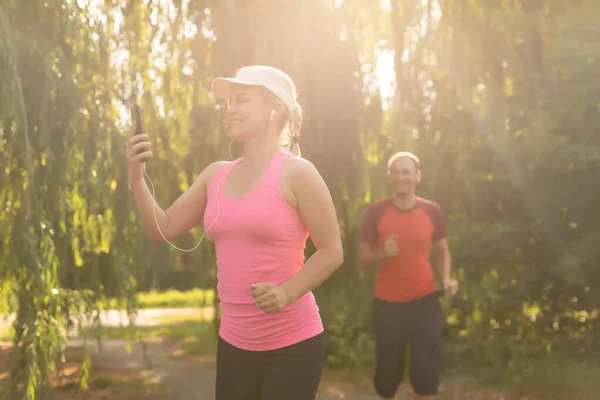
(389, 371)
(426, 349)
(390, 341)
(389, 368)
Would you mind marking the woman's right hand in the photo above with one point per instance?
(134, 160)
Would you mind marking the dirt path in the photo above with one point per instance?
(177, 377)
(165, 373)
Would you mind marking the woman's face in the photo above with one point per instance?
(247, 112)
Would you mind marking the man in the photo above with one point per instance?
(397, 235)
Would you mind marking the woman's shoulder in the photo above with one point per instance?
(216, 166)
(298, 165)
(211, 170)
(299, 170)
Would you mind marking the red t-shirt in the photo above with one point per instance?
(407, 276)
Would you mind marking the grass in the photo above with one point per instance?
(177, 299)
(5, 330)
(5, 296)
(560, 379)
(198, 333)
(194, 298)
(170, 299)
(546, 378)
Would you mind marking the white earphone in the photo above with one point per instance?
(273, 112)
(207, 229)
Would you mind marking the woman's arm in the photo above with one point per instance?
(185, 213)
(305, 190)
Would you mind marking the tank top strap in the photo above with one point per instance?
(273, 173)
(222, 174)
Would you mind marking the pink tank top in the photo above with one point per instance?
(258, 238)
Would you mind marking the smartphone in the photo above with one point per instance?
(136, 119)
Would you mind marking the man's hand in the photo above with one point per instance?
(451, 286)
(390, 248)
(269, 297)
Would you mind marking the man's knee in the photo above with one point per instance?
(387, 380)
(425, 385)
(386, 389)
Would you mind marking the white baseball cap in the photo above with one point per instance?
(272, 79)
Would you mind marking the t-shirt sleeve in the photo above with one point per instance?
(440, 231)
(368, 232)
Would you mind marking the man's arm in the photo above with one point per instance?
(369, 255)
(444, 264)
(443, 258)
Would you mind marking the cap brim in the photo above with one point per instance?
(221, 87)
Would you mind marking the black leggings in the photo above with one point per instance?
(291, 373)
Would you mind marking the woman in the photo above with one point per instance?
(258, 210)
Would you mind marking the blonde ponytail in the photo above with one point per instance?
(296, 126)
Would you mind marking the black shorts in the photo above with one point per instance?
(292, 372)
(419, 324)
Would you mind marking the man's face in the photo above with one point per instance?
(403, 176)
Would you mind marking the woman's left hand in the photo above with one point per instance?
(269, 297)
